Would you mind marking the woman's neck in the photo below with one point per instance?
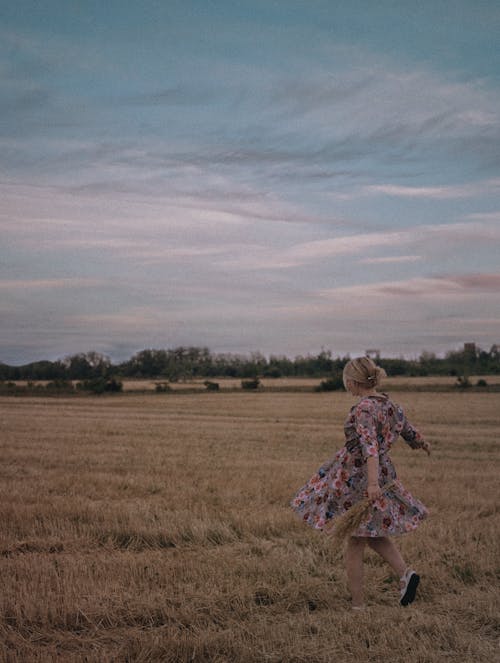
(363, 393)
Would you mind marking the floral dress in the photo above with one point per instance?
(372, 427)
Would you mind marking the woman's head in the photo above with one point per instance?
(363, 373)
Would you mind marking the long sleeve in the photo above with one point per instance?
(411, 435)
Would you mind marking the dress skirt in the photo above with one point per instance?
(342, 482)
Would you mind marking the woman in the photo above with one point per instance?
(361, 468)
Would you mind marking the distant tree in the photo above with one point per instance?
(8, 372)
(280, 366)
(85, 366)
(186, 362)
(273, 372)
(146, 363)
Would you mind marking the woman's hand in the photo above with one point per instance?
(373, 491)
(426, 446)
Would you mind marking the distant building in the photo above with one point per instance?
(470, 349)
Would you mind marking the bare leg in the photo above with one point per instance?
(354, 569)
(388, 551)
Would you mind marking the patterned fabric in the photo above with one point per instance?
(372, 427)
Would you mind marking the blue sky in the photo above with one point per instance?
(270, 175)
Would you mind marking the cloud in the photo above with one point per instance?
(454, 285)
(419, 287)
(403, 316)
(48, 284)
(384, 111)
(315, 122)
(441, 237)
(317, 250)
(481, 282)
(344, 245)
(390, 259)
(436, 192)
(133, 319)
(179, 95)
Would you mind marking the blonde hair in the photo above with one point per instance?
(364, 371)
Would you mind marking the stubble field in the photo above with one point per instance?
(157, 528)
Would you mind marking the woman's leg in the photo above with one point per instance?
(388, 551)
(354, 569)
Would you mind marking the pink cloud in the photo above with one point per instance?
(435, 192)
(37, 284)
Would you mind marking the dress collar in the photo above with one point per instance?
(382, 396)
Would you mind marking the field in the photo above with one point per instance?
(156, 527)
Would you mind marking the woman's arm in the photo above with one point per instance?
(373, 488)
(413, 438)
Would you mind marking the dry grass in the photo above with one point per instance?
(156, 528)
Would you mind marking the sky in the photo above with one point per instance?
(281, 176)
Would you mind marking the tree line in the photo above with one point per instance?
(184, 363)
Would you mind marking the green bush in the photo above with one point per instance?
(463, 382)
(100, 385)
(211, 386)
(334, 383)
(481, 383)
(114, 385)
(250, 384)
